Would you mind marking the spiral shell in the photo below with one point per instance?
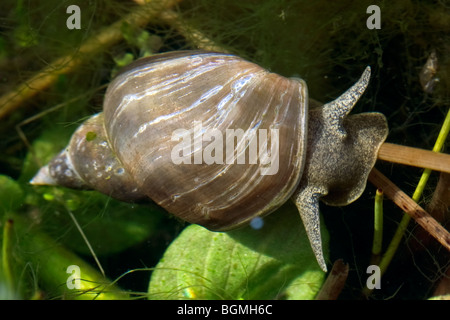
(217, 140)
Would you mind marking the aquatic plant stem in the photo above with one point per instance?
(426, 221)
(378, 227)
(6, 254)
(52, 259)
(410, 207)
(416, 196)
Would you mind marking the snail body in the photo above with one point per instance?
(217, 141)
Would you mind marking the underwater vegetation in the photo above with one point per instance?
(56, 61)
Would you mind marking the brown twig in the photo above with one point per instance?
(335, 281)
(414, 157)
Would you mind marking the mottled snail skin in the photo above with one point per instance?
(323, 153)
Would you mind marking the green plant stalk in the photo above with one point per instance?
(51, 260)
(6, 254)
(378, 227)
(392, 248)
(403, 225)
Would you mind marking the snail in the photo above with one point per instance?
(217, 141)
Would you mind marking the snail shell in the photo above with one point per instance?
(183, 105)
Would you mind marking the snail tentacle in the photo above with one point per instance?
(307, 201)
(336, 110)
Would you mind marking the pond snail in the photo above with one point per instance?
(217, 141)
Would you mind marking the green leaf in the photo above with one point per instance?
(274, 262)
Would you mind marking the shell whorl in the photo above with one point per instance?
(89, 163)
(149, 101)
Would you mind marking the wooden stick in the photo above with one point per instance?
(335, 281)
(414, 157)
(410, 207)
